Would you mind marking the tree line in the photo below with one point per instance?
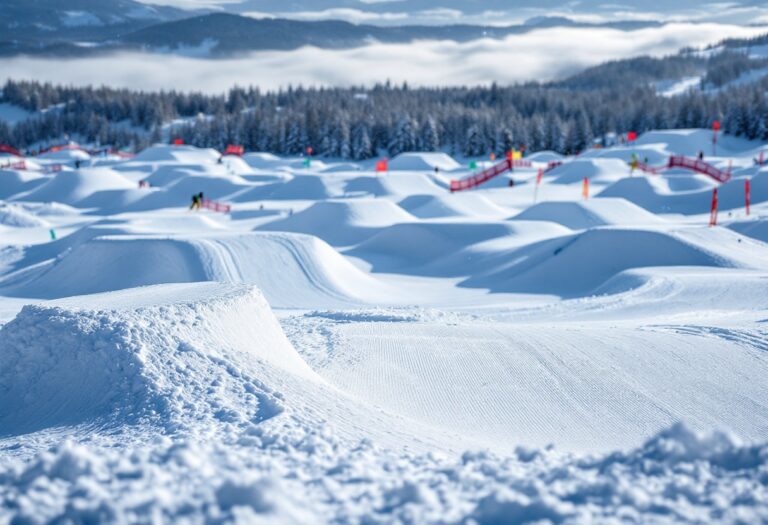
(360, 123)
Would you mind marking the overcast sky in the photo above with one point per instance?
(538, 55)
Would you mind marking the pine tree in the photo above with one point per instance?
(430, 137)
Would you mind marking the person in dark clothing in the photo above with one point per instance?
(77, 164)
(701, 155)
(195, 202)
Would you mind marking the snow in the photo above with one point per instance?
(346, 346)
(80, 18)
(678, 87)
(423, 161)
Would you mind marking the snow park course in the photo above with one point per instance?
(329, 341)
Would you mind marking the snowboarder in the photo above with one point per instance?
(196, 199)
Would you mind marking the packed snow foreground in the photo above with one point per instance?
(351, 346)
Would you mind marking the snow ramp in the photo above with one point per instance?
(292, 270)
(299, 187)
(157, 356)
(598, 171)
(70, 187)
(573, 266)
(343, 222)
(588, 214)
(452, 205)
(423, 161)
(655, 194)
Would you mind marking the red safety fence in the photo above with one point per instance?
(5, 148)
(483, 176)
(649, 169)
(522, 163)
(233, 149)
(20, 165)
(699, 166)
(62, 147)
(553, 164)
(216, 206)
(680, 161)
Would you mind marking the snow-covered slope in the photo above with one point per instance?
(331, 344)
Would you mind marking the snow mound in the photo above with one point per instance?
(49, 209)
(65, 155)
(341, 167)
(262, 160)
(545, 156)
(299, 187)
(452, 205)
(169, 173)
(677, 476)
(757, 229)
(343, 222)
(236, 165)
(599, 171)
(16, 181)
(179, 193)
(149, 359)
(70, 187)
(442, 248)
(588, 214)
(653, 154)
(418, 161)
(291, 270)
(183, 154)
(567, 266)
(655, 194)
(690, 142)
(17, 216)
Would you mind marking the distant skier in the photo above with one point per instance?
(77, 164)
(701, 155)
(196, 201)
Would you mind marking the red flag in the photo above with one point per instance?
(382, 165)
(713, 210)
(632, 136)
(309, 150)
(716, 125)
(178, 142)
(585, 189)
(746, 194)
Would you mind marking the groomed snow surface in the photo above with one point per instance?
(347, 346)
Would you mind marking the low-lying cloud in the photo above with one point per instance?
(545, 54)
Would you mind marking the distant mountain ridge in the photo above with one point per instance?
(41, 23)
(223, 34)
